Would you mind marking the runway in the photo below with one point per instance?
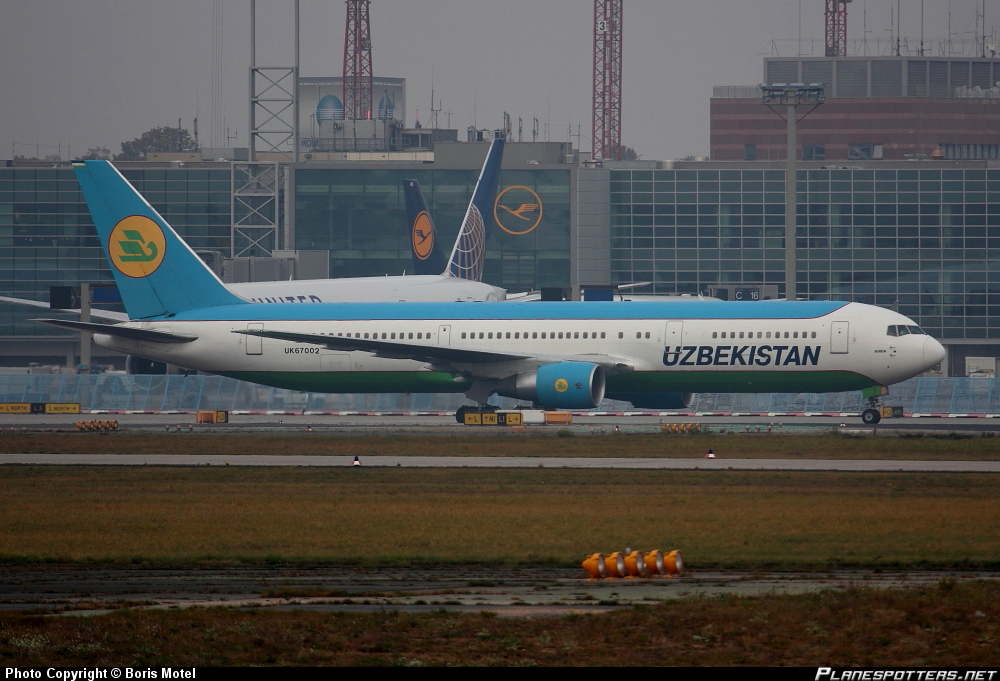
(505, 462)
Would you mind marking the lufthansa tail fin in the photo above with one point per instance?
(424, 247)
(156, 272)
(469, 254)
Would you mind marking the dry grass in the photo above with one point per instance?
(385, 515)
(949, 625)
(533, 443)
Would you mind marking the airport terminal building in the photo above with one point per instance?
(919, 237)
(888, 213)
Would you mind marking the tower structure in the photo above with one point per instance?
(357, 62)
(607, 108)
(836, 28)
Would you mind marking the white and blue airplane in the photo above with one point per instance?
(567, 355)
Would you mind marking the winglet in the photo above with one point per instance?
(424, 246)
(156, 272)
(469, 253)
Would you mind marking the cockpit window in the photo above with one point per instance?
(891, 331)
(903, 330)
(917, 330)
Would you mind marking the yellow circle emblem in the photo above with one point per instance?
(422, 235)
(137, 246)
(562, 385)
(520, 212)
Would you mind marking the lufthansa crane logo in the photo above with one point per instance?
(517, 210)
(422, 235)
(137, 246)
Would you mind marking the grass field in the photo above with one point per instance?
(505, 443)
(393, 515)
(953, 624)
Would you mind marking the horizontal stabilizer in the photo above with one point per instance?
(144, 335)
(94, 312)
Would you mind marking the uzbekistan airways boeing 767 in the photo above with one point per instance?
(557, 355)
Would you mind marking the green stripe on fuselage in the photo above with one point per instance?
(358, 381)
(636, 382)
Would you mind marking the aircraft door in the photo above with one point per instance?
(255, 344)
(839, 337)
(674, 335)
(444, 335)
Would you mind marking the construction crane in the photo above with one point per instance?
(836, 28)
(607, 109)
(357, 62)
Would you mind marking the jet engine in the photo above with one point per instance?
(655, 400)
(566, 385)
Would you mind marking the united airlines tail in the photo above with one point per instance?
(156, 272)
(469, 254)
(426, 252)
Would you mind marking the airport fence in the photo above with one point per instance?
(121, 392)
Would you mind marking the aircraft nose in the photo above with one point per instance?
(934, 352)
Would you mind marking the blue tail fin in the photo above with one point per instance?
(426, 251)
(156, 272)
(469, 253)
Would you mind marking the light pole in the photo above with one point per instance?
(791, 95)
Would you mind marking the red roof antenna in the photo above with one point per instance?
(607, 128)
(357, 62)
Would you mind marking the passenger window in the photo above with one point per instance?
(584, 335)
(560, 335)
(508, 334)
(383, 336)
(741, 334)
(795, 335)
(768, 335)
(490, 335)
(814, 334)
(463, 335)
(647, 334)
(602, 334)
(543, 334)
(621, 334)
(758, 334)
(481, 335)
(576, 334)
(534, 334)
(715, 334)
(411, 335)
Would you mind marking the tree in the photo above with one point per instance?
(97, 154)
(157, 139)
(629, 154)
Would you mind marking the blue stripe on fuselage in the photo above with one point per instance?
(526, 311)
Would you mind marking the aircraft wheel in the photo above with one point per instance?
(871, 416)
(460, 414)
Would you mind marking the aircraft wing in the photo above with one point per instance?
(435, 354)
(94, 312)
(132, 333)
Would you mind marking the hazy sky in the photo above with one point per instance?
(99, 72)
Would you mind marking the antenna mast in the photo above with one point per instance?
(607, 108)
(357, 62)
(836, 28)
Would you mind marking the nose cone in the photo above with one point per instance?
(934, 353)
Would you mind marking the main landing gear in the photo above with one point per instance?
(872, 414)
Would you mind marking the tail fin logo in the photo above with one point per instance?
(520, 213)
(422, 235)
(137, 246)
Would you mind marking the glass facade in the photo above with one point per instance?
(923, 240)
(47, 237)
(360, 216)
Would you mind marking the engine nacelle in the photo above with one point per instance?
(566, 385)
(655, 400)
